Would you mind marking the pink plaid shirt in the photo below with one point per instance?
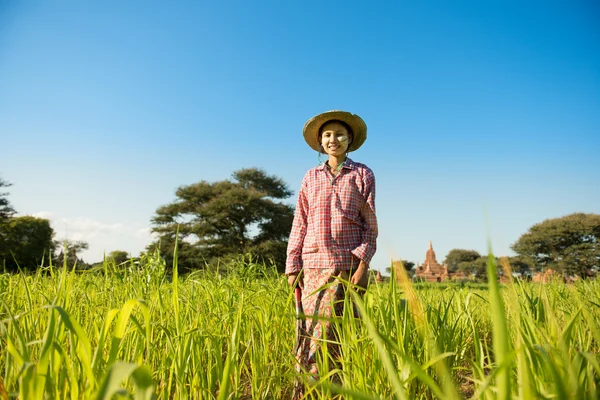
(334, 224)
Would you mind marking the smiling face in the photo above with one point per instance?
(335, 138)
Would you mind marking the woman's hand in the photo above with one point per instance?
(294, 279)
(360, 277)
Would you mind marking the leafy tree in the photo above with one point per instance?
(118, 256)
(219, 221)
(6, 210)
(28, 243)
(478, 267)
(69, 251)
(568, 244)
(408, 266)
(461, 259)
(520, 265)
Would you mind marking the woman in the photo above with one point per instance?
(334, 232)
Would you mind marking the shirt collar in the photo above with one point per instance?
(349, 164)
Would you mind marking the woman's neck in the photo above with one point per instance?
(336, 161)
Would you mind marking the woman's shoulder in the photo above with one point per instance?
(312, 171)
(311, 175)
(362, 169)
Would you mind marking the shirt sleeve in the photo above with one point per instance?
(296, 241)
(366, 250)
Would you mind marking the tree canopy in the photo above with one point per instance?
(68, 253)
(224, 219)
(27, 243)
(6, 209)
(118, 256)
(408, 267)
(520, 265)
(568, 244)
(461, 259)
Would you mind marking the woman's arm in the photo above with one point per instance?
(366, 249)
(296, 241)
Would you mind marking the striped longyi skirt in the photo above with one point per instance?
(322, 301)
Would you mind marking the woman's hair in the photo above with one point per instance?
(345, 125)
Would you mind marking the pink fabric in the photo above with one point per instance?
(334, 224)
(322, 302)
(322, 299)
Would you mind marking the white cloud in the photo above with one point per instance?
(144, 233)
(101, 236)
(84, 228)
(43, 214)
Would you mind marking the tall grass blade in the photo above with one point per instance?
(232, 352)
(500, 331)
(121, 371)
(390, 368)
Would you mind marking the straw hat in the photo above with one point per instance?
(356, 123)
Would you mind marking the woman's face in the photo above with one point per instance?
(335, 138)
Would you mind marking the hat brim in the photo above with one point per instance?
(356, 123)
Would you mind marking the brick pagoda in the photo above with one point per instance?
(431, 270)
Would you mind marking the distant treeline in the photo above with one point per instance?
(214, 223)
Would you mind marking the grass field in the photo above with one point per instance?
(132, 332)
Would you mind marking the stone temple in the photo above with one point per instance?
(431, 270)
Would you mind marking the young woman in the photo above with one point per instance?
(334, 232)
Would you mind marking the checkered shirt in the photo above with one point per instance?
(334, 223)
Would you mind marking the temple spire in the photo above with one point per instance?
(431, 270)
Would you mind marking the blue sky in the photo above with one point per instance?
(483, 117)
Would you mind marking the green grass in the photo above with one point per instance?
(136, 333)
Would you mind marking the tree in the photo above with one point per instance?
(461, 259)
(6, 210)
(118, 256)
(221, 220)
(69, 251)
(27, 243)
(520, 265)
(408, 266)
(568, 244)
(477, 267)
